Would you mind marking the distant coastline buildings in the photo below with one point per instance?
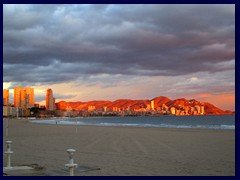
(24, 105)
(180, 107)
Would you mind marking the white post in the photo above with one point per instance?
(9, 153)
(76, 126)
(71, 164)
(7, 127)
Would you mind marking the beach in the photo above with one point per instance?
(123, 151)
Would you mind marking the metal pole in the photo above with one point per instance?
(76, 126)
(71, 164)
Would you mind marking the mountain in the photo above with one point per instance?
(212, 110)
(161, 103)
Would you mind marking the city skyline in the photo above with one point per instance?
(24, 98)
(109, 52)
(24, 102)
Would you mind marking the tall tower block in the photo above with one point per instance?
(5, 97)
(152, 105)
(50, 100)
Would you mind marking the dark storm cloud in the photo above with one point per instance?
(60, 43)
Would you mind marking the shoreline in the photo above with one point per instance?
(150, 127)
(146, 122)
(124, 150)
(61, 121)
(65, 117)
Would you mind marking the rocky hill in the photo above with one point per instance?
(128, 104)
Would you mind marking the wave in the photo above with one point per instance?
(162, 125)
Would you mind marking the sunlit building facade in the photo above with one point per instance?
(62, 105)
(50, 100)
(173, 110)
(23, 97)
(5, 97)
(152, 105)
(202, 110)
(29, 97)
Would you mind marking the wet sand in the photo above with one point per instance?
(123, 151)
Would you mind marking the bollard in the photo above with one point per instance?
(9, 153)
(71, 164)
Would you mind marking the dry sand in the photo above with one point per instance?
(120, 151)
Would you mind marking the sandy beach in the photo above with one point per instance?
(123, 151)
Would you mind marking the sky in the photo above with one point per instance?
(108, 52)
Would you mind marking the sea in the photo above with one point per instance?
(226, 122)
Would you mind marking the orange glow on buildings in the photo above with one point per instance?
(152, 105)
(61, 105)
(23, 97)
(5, 97)
(50, 100)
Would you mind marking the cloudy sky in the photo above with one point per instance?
(108, 52)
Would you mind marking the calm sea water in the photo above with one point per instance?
(203, 122)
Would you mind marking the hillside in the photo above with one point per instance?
(159, 103)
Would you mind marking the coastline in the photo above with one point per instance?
(65, 117)
(124, 150)
(187, 122)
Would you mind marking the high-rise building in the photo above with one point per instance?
(5, 97)
(50, 100)
(29, 97)
(152, 105)
(198, 109)
(173, 110)
(23, 97)
(105, 108)
(202, 110)
(17, 96)
(148, 108)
